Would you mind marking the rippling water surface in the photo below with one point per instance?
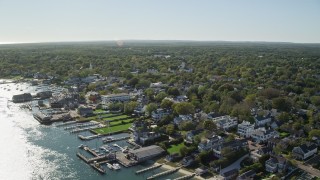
(29, 150)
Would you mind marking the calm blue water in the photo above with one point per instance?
(29, 150)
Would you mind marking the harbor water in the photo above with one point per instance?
(30, 150)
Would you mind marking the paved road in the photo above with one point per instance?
(309, 169)
(235, 165)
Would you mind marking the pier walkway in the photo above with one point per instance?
(148, 169)
(85, 129)
(66, 123)
(133, 143)
(163, 173)
(185, 177)
(86, 138)
(115, 139)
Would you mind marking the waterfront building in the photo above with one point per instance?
(146, 153)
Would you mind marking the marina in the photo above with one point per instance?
(78, 162)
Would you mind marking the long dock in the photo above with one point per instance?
(81, 125)
(66, 123)
(133, 143)
(84, 129)
(163, 173)
(90, 151)
(116, 139)
(185, 177)
(83, 157)
(98, 168)
(148, 169)
(87, 160)
(86, 138)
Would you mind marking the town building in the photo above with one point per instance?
(144, 138)
(245, 129)
(262, 135)
(225, 122)
(262, 120)
(276, 164)
(122, 97)
(211, 143)
(304, 151)
(85, 111)
(146, 153)
(158, 114)
(191, 134)
(182, 118)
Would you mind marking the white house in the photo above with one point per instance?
(115, 97)
(225, 122)
(304, 151)
(262, 135)
(210, 143)
(262, 120)
(245, 129)
(157, 85)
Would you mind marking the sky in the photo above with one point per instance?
(202, 20)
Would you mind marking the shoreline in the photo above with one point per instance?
(182, 171)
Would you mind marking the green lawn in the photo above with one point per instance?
(112, 129)
(98, 110)
(176, 148)
(284, 134)
(115, 118)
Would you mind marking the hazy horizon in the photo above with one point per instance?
(35, 21)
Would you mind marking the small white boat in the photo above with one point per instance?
(116, 166)
(109, 166)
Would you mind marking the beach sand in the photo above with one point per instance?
(183, 171)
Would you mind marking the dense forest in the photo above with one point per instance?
(227, 77)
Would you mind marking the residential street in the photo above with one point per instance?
(309, 169)
(235, 165)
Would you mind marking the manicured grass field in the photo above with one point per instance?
(115, 118)
(176, 148)
(112, 129)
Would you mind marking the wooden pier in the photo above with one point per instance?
(163, 173)
(66, 123)
(81, 125)
(90, 151)
(116, 139)
(148, 169)
(133, 143)
(98, 168)
(83, 157)
(185, 177)
(84, 129)
(86, 138)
